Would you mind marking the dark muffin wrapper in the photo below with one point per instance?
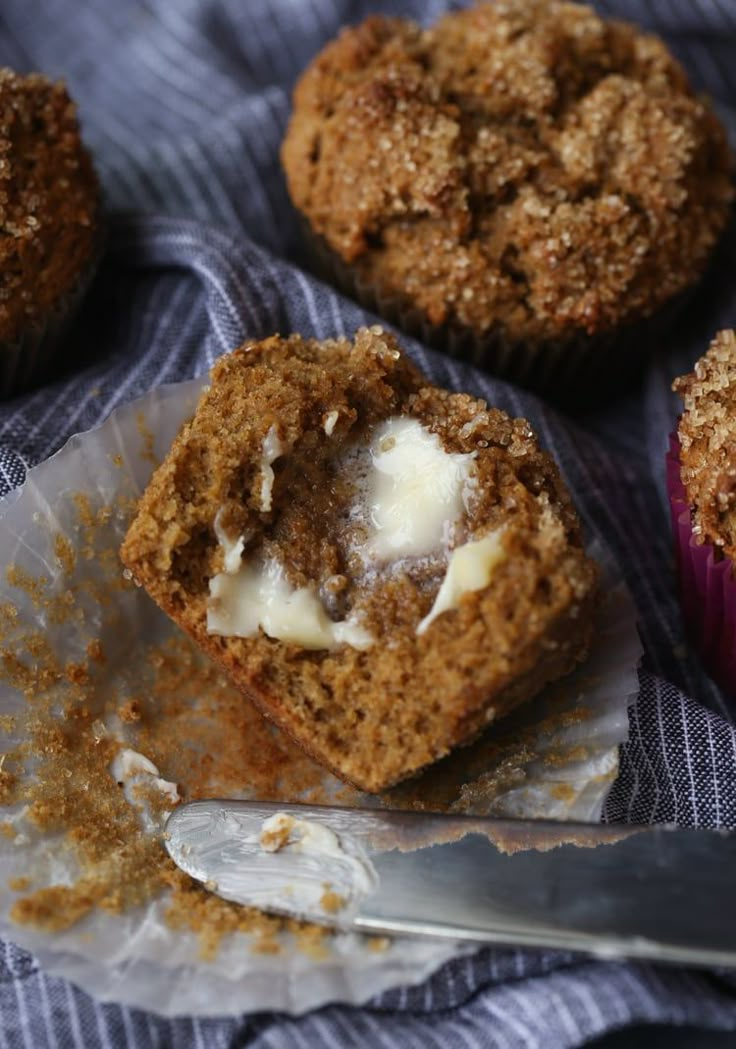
(706, 584)
(26, 362)
(572, 372)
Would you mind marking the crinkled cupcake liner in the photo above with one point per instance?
(581, 368)
(706, 583)
(563, 746)
(25, 363)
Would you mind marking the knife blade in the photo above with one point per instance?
(656, 892)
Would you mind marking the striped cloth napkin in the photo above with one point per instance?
(184, 103)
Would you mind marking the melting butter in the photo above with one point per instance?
(318, 848)
(282, 831)
(259, 595)
(413, 492)
(273, 449)
(330, 421)
(470, 568)
(232, 548)
(417, 489)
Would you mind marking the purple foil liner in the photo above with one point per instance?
(707, 585)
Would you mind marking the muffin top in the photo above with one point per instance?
(707, 433)
(49, 201)
(523, 167)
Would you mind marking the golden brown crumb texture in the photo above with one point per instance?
(522, 167)
(707, 433)
(373, 716)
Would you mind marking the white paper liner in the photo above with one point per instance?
(136, 958)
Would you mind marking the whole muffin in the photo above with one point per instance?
(518, 184)
(702, 487)
(50, 224)
(383, 567)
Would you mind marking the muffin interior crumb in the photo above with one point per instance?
(378, 709)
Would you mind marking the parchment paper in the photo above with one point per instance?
(563, 770)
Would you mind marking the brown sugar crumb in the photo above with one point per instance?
(8, 619)
(192, 722)
(130, 712)
(313, 940)
(71, 792)
(89, 521)
(332, 902)
(197, 727)
(522, 167)
(8, 785)
(378, 944)
(278, 837)
(192, 907)
(36, 588)
(64, 553)
(53, 909)
(95, 651)
(264, 945)
(58, 606)
(563, 792)
(707, 434)
(19, 884)
(566, 756)
(76, 673)
(378, 714)
(49, 201)
(147, 452)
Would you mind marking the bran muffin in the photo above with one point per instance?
(522, 183)
(702, 487)
(383, 567)
(50, 224)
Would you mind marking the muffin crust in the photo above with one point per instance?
(523, 168)
(49, 202)
(707, 434)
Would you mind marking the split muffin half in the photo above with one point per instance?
(383, 567)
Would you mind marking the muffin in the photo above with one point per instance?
(384, 568)
(702, 487)
(50, 224)
(524, 184)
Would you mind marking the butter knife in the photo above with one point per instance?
(656, 892)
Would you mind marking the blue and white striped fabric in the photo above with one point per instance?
(184, 103)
